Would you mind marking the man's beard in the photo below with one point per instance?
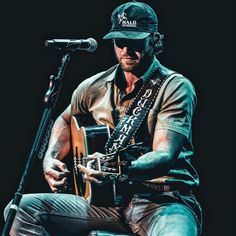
(129, 66)
(135, 64)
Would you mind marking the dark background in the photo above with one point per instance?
(199, 42)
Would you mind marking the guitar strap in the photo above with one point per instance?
(137, 111)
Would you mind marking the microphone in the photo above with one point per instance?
(89, 44)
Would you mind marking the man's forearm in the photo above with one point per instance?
(59, 143)
(151, 165)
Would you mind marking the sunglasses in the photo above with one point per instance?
(136, 45)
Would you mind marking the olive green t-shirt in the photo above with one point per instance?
(172, 110)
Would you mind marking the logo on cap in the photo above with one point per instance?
(125, 21)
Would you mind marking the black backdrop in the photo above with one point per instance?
(200, 43)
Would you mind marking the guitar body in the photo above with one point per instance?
(87, 140)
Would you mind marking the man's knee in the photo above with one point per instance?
(25, 221)
(167, 220)
(176, 219)
(29, 203)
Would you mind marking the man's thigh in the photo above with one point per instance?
(62, 214)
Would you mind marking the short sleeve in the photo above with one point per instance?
(78, 105)
(179, 102)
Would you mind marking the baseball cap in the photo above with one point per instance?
(132, 20)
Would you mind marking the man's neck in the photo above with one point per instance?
(130, 80)
(132, 77)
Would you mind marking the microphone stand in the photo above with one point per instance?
(50, 100)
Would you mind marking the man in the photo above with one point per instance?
(155, 197)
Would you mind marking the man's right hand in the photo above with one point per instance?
(55, 173)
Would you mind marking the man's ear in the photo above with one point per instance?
(156, 37)
(157, 40)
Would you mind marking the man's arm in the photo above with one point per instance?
(55, 171)
(166, 147)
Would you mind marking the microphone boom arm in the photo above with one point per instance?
(50, 100)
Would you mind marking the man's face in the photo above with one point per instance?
(130, 53)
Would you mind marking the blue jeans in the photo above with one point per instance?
(169, 213)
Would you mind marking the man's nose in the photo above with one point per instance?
(125, 49)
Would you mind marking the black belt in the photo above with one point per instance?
(157, 188)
